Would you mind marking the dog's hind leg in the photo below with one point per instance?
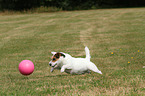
(94, 68)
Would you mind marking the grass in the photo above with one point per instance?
(115, 37)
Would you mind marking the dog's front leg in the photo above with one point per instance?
(63, 68)
(52, 69)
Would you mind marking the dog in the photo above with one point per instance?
(67, 63)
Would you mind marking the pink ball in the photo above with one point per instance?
(26, 67)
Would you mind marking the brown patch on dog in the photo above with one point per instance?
(55, 57)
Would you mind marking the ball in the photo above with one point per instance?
(26, 67)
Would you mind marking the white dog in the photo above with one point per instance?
(72, 65)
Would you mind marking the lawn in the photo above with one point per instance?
(115, 37)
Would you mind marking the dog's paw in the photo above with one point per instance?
(62, 69)
(52, 69)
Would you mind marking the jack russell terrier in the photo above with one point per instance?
(72, 65)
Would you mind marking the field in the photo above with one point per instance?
(115, 37)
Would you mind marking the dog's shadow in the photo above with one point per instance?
(63, 75)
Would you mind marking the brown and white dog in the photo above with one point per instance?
(67, 63)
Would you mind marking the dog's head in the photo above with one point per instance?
(56, 59)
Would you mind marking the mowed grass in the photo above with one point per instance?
(115, 37)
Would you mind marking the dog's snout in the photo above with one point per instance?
(50, 64)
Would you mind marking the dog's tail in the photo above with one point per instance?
(87, 53)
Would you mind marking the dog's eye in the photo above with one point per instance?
(53, 59)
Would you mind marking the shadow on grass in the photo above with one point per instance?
(66, 75)
(62, 75)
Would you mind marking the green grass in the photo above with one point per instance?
(34, 36)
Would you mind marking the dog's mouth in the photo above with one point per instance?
(55, 65)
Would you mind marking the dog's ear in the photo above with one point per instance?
(62, 54)
(53, 53)
(57, 55)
